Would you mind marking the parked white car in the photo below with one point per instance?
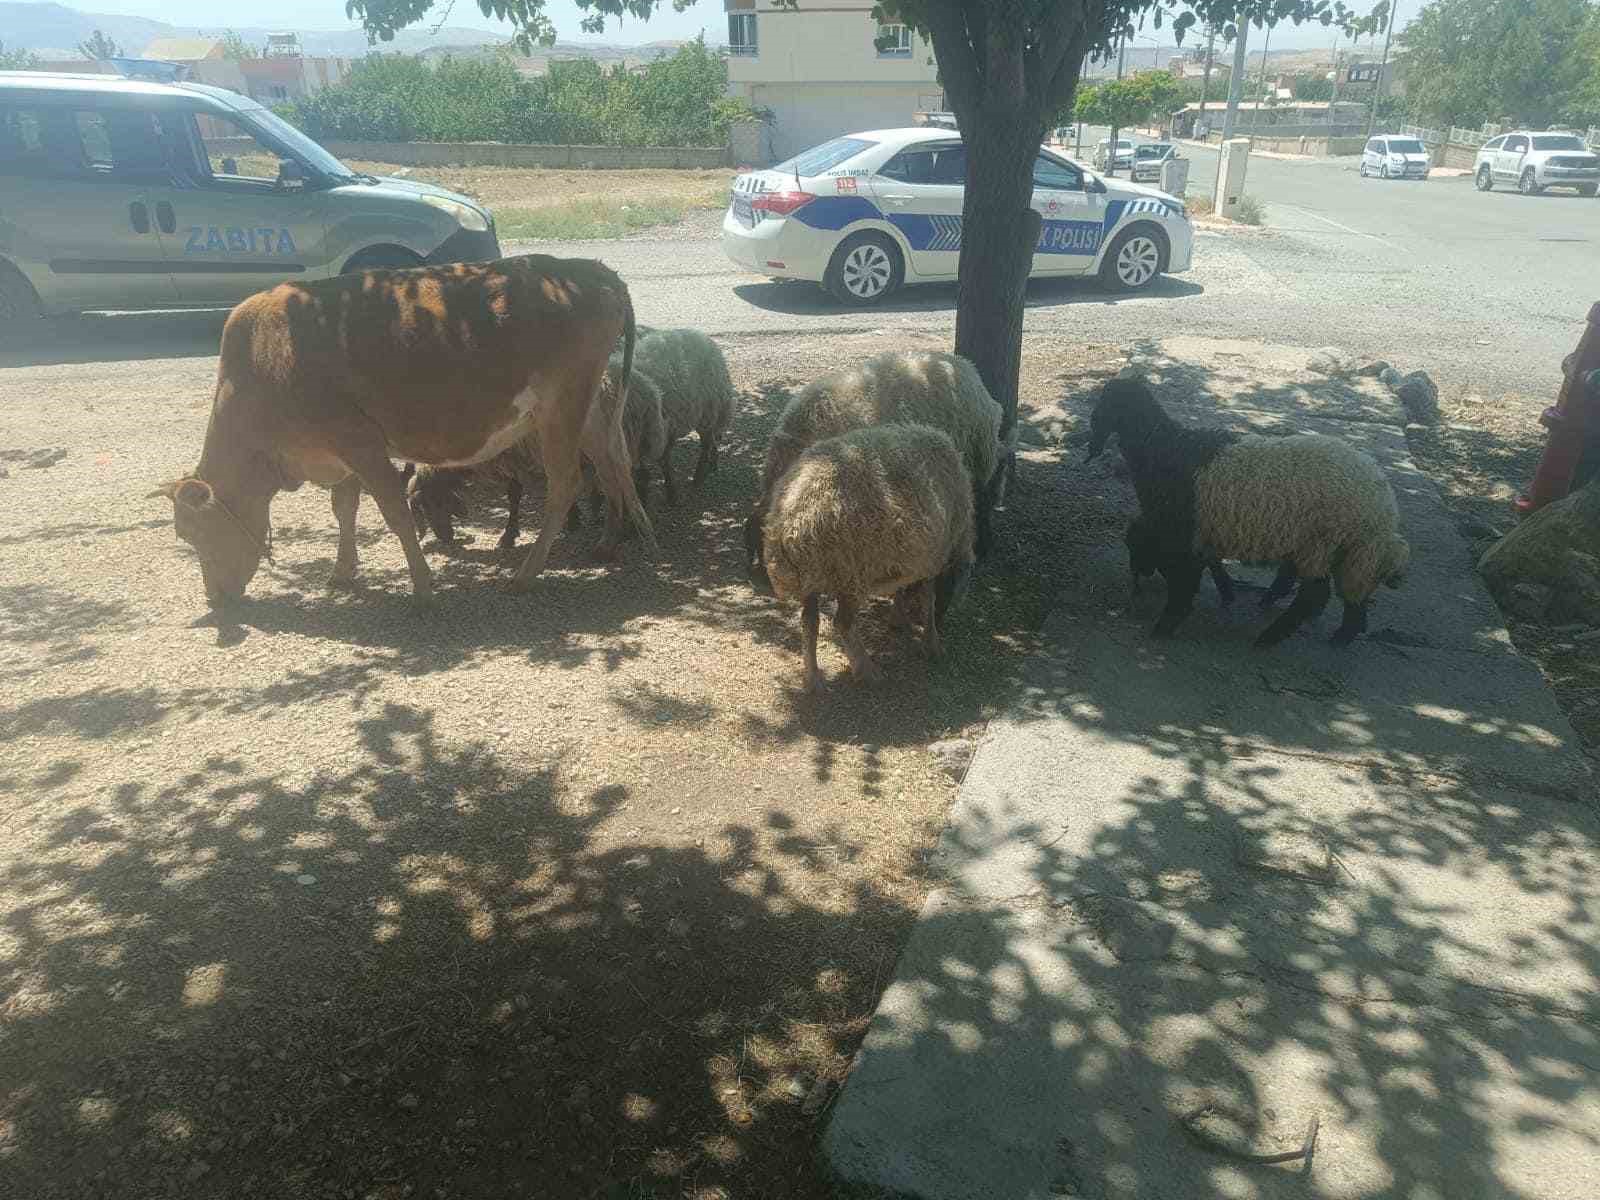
(1535, 161)
(1102, 154)
(1395, 158)
(867, 213)
(1149, 158)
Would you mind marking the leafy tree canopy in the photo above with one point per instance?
(99, 46)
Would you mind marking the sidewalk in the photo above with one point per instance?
(1205, 905)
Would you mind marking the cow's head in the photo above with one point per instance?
(229, 550)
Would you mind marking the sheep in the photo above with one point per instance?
(885, 510)
(696, 394)
(935, 389)
(1310, 502)
(438, 494)
(1144, 558)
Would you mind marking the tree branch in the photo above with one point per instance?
(958, 65)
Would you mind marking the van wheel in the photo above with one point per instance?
(382, 258)
(1484, 179)
(865, 269)
(19, 307)
(1133, 260)
(1383, 171)
(1528, 185)
(1362, 169)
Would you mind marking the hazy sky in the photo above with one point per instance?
(706, 14)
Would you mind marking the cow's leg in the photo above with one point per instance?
(810, 619)
(508, 539)
(559, 434)
(346, 499)
(387, 486)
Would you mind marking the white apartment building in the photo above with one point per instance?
(827, 68)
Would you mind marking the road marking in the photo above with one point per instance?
(1306, 212)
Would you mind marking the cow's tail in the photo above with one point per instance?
(624, 464)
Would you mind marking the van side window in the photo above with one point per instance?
(233, 158)
(117, 143)
(22, 146)
(1493, 143)
(1517, 145)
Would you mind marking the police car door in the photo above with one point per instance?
(920, 191)
(1071, 218)
(74, 209)
(242, 219)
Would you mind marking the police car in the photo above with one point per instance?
(867, 213)
(122, 193)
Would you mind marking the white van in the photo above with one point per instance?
(132, 194)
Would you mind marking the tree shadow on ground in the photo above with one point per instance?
(500, 974)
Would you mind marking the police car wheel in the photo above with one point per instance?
(19, 308)
(1484, 178)
(1132, 262)
(865, 269)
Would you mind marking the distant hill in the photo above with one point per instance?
(55, 27)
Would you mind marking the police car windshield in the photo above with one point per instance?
(1562, 142)
(307, 151)
(824, 157)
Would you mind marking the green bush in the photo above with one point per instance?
(676, 101)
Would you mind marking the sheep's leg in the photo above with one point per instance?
(668, 480)
(1282, 585)
(930, 621)
(984, 522)
(707, 461)
(1183, 581)
(1310, 600)
(810, 619)
(1353, 625)
(844, 623)
(508, 539)
(346, 499)
(1223, 582)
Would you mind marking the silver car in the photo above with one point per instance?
(130, 194)
(1535, 161)
(1148, 159)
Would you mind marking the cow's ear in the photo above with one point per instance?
(192, 493)
(167, 491)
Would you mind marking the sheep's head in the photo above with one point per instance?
(435, 498)
(1126, 408)
(229, 549)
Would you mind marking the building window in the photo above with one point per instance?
(279, 92)
(893, 41)
(742, 35)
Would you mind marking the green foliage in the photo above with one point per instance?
(1312, 87)
(99, 46)
(1124, 103)
(1517, 61)
(676, 101)
(18, 60)
(235, 47)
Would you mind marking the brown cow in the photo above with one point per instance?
(446, 365)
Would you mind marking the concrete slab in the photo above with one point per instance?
(1186, 877)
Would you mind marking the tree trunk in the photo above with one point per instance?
(999, 231)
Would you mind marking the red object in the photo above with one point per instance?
(1575, 411)
(783, 203)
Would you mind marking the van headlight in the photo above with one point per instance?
(473, 220)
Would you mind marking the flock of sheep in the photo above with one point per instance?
(881, 479)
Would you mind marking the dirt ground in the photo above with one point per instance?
(569, 894)
(526, 188)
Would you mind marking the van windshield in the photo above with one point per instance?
(297, 143)
(1405, 146)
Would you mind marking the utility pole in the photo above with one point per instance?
(1111, 146)
(1335, 99)
(1205, 80)
(1236, 83)
(1262, 94)
(1377, 86)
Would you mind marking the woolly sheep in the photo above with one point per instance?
(1309, 502)
(696, 394)
(935, 389)
(880, 511)
(437, 495)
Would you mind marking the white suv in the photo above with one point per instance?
(1535, 161)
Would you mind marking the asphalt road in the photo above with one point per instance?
(1487, 292)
